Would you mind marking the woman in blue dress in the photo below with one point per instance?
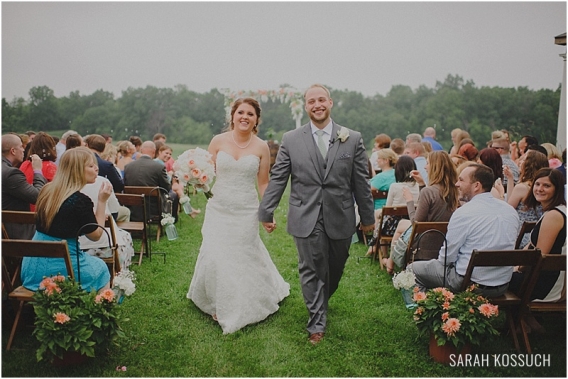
(61, 210)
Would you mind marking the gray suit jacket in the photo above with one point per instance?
(335, 184)
(144, 171)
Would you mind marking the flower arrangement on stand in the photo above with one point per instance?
(168, 223)
(71, 320)
(461, 319)
(405, 281)
(195, 167)
(123, 284)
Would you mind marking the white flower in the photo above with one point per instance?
(124, 280)
(184, 199)
(343, 134)
(195, 167)
(167, 219)
(404, 279)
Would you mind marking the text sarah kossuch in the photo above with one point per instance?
(500, 360)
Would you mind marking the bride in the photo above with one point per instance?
(235, 280)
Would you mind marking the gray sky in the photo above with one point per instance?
(366, 47)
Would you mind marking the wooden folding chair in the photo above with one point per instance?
(382, 239)
(418, 228)
(376, 195)
(113, 262)
(135, 227)
(153, 195)
(548, 263)
(509, 301)
(526, 227)
(25, 248)
(15, 217)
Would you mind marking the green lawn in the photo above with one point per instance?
(370, 333)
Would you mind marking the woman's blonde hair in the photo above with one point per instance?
(551, 150)
(70, 178)
(442, 171)
(389, 155)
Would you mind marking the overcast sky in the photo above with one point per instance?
(366, 47)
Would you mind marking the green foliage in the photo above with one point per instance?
(186, 116)
(460, 318)
(71, 319)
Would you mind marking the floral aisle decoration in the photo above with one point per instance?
(459, 319)
(405, 281)
(284, 94)
(123, 284)
(167, 222)
(195, 167)
(71, 320)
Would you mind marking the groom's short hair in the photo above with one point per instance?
(317, 86)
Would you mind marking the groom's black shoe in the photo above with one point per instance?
(315, 338)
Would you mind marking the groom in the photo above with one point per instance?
(328, 167)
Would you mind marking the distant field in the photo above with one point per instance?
(179, 148)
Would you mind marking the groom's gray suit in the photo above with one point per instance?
(321, 214)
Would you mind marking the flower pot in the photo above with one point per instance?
(70, 358)
(187, 208)
(407, 296)
(171, 232)
(441, 354)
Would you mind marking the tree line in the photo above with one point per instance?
(185, 116)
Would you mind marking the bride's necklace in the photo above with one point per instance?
(239, 146)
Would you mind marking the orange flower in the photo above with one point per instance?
(45, 282)
(203, 179)
(471, 310)
(438, 289)
(415, 289)
(61, 318)
(445, 316)
(419, 311)
(446, 305)
(108, 294)
(196, 172)
(451, 326)
(418, 296)
(488, 310)
(59, 278)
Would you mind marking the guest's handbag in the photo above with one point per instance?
(398, 250)
(389, 225)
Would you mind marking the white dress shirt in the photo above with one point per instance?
(483, 223)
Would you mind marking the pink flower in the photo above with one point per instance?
(108, 294)
(446, 305)
(59, 278)
(203, 179)
(451, 326)
(447, 294)
(118, 368)
(488, 310)
(418, 296)
(196, 172)
(61, 318)
(438, 289)
(191, 163)
(445, 316)
(419, 311)
(45, 282)
(471, 310)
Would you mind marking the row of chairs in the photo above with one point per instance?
(519, 304)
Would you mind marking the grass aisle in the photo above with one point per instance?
(370, 333)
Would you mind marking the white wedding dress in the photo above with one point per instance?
(235, 278)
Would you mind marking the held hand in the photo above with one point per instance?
(367, 228)
(499, 187)
(36, 162)
(105, 192)
(269, 226)
(406, 194)
(416, 175)
(507, 172)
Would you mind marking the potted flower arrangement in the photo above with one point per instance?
(455, 321)
(73, 322)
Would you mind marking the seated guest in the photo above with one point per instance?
(437, 202)
(96, 143)
(502, 147)
(382, 141)
(62, 210)
(492, 159)
(416, 151)
(144, 171)
(74, 140)
(44, 147)
(137, 142)
(123, 238)
(386, 159)
(534, 161)
(126, 150)
(402, 169)
(549, 235)
(483, 223)
(17, 193)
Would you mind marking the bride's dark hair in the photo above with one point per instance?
(246, 100)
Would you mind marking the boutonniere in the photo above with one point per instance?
(343, 134)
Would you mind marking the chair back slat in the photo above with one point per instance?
(16, 217)
(377, 194)
(526, 227)
(420, 227)
(44, 249)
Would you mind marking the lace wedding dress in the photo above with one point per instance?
(235, 278)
